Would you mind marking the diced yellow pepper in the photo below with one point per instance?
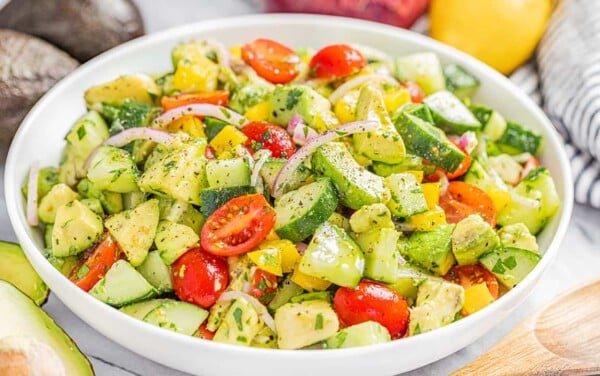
(345, 108)
(476, 297)
(499, 197)
(258, 112)
(308, 282)
(288, 253)
(324, 121)
(432, 194)
(267, 259)
(396, 97)
(272, 236)
(198, 75)
(189, 124)
(417, 174)
(429, 220)
(236, 51)
(228, 138)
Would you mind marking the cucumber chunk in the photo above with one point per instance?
(113, 169)
(122, 285)
(173, 240)
(214, 198)
(516, 139)
(180, 317)
(364, 334)
(286, 291)
(423, 68)
(450, 114)
(139, 310)
(459, 81)
(156, 272)
(223, 173)
(510, 265)
(494, 124)
(407, 196)
(379, 247)
(271, 168)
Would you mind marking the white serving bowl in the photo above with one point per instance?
(40, 138)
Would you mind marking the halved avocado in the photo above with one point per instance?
(21, 317)
(16, 269)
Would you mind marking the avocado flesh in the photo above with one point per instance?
(16, 269)
(22, 317)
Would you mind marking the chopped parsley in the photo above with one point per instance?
(293, 98)
(237, 316)
(81, 132)
(83, 271)
(319, 322)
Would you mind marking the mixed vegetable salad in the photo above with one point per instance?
(270, 197)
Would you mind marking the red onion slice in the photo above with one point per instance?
(299, 131)
(32, 194)
(263, 156)
(220, 50)
(201, 109)
(258, 306)
(312, 145)
(468, 141)
(357, 81)
(149, 134)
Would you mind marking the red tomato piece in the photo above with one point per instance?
(469, 275)
(335, 61)
(205, 333)
(199, 277)
(238, 226)
(463, 199)
(271, 60)
(209, 152)
(93, 267)
(531, 164)
(462, 168)
(218, 97)
(262, 135)
(416, 93)
(372, 301)
(264, 286)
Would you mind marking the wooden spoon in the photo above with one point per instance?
(561, 339)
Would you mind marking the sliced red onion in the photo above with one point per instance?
(312, 145)
(524, 201)
(299, 131)
(301, 247)
(201, 109)
(357, 81)
(220, 50)
(258, 306)
(443, 183)
(32, 194)
(468, 141)
(370, 53)
(294, 122)
(241, 151)
(140, 133)
(262, 156)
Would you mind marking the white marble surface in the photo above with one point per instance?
(577, 262)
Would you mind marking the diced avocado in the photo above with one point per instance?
(22, 318)
(112, 169)
(407, 197)
(64, 265)
(156, 272)
(539, 186)
(516, 139)
(510, 265)
(58, 195)
(139, 310)
(424, 68)
(88, 133)
(214, 198)
(289, 100)
(430, 249)
(180, 212)
(355, 185)
(250, 94)
(122, 285)
(137, 87)
(178, 316)
(134, 230)
(428, 142)
(409, 163)
(285, 291)
(157, 154)
(133, 114)
(408, 280)
(180, 174)
(240, 324)
(192, 50)
(517, 235)
(370, 217)
(379, 248)
(173, 240)
(265, 339)
(132, 199)
(471, 238)
(47, 178)
(303, 324)
(506, 167)
(112, 202)
(16, 269)
(459, 81)
(450, 114)
(332, 255)
(437, 304)
(93, 204)
(364, 334)
(384, 144)
(76, 228)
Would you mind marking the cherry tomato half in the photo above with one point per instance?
(335, 61)
(262, 135)
(238, 226)
(204, 333)
(469, 275)
(271, 60)
(463, 167)
(94, 267)
(415, 91)
(372, 301)
(199, 277)
(219, 97)
(463, 199)
(264, 286)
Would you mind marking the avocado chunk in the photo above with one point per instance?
(240, 324)
(173, 240)
(471, 238)
(356, 186)
(112, 202)
(47, 178)
(438, 303)
(407, 195)
(23, 318)
(431, 250)
(195, 71)
(180, 212)
(289, 100)
(16, 269)
(58, 195)
(363, 334)
(510, 265)
(409, 163)
(371, 217)
(76, 228)
(137, 87)
(332, 255)
(450, 114)
(383, 144)
(306, 323)
(379, 248)
(249, 94)
(87, 133)
(518, 236)
(113, 169)
(134, 230)
(122, 285)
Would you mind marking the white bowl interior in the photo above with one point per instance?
(40, 138)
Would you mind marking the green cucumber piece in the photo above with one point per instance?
(409, 163)
(494, 124)
(459, 81)
(450, 114)
(112, 202)
(113, 169)
(180, 317)
(407, 196)
(122, 285)
(271, 168)
(214, 198)
(416, 109)
(363, 334)
(156, 272)
(300, 212)
(213, 126)
(510, 265)
(516, 139)
(315, 295)
(286, 291)
(180, 212)
(379, 248)
(139, 310)
(224, 173)
(423, 68)
(173, 240)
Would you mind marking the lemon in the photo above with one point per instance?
(501, 33)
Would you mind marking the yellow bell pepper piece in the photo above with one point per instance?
(499, 197)
(228, 138)
(258, 112)
(267, 259)
(432, 194)
(345, 108)
(476, 297)
(308, 282)
(325, 120)
(396, 97)
(429, 220)
(417, 174)
(189, 124)
(201, 74)
(276, 256)
(236, 51)
(272, 236)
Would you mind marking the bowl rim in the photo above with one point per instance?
(17, 218)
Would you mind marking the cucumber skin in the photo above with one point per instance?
(214, 198)
(517, 138)
(496, 263)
